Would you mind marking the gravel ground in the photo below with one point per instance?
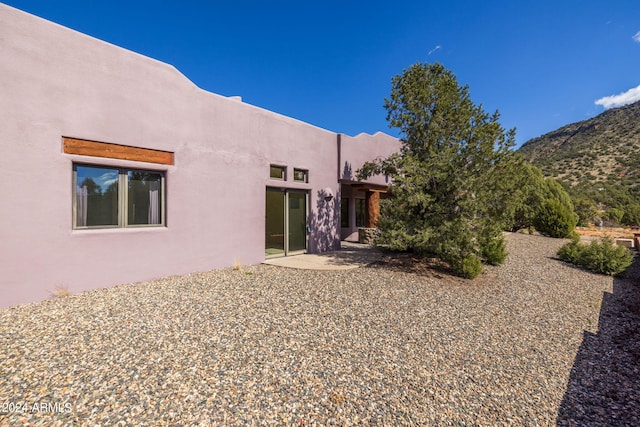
(389, 344)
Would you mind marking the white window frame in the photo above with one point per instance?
(304, 171)
(283, 175)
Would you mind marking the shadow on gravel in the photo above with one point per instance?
(406, 262)
(353, 254)
(604, 386)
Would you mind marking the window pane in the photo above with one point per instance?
(361, 212)
(300, 175)
(297, 221)
(344, 212)
(274, 237)
(96, 196)
(144, 197)
(276, 172)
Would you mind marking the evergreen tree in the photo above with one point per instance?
(527, 190)
(451, 181)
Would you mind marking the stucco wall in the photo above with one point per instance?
(56, 82)
(355, 151)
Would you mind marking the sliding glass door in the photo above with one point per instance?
(297, 213)
(285, 222)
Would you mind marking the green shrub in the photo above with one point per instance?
(553, 219)
(468, 267)
(606, 257)
(632, 214)
(614, 214)
(571, 252)
(586, 210)
(494, 251)
(603, 256)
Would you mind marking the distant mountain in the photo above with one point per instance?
(603, 149)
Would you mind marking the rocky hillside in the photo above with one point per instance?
(605, 148)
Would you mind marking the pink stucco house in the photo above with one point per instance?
(116, 169)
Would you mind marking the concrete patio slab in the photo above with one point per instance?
(352, 255)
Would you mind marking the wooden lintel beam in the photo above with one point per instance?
(116, 151)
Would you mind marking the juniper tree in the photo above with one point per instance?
(528, 192)
(451, 179)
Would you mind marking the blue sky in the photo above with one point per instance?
(542, 64)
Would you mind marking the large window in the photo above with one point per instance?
(112, 197)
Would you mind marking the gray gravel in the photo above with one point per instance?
(381, 345)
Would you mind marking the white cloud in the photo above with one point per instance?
(106, 179)
(624, 98)
(636, 38)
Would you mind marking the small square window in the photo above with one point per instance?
(301, 175)
(277, 172)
